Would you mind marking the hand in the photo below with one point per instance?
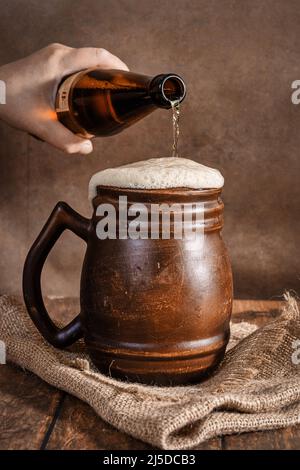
(31, 85)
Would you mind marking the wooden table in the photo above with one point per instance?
(34, 415)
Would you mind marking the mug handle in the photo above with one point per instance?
(63, 217)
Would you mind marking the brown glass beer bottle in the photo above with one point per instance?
(98, 102)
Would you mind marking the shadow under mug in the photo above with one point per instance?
(152, 310)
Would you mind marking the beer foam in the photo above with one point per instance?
(158, 173)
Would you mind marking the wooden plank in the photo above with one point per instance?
(244, 306)
(258, 312)
(27, 407)
(28, 404)
(78, 427)
(212, 444)
(287, 439)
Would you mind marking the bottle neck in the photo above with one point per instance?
(167, 88)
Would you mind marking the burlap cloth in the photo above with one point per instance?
(256, 387)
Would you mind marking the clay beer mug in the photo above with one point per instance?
(154, 308)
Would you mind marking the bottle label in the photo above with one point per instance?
(63, 105)
(62, 101)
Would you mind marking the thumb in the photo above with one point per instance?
(60, 137)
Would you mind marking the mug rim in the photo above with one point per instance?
(184, 191)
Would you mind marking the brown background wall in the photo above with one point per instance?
(238, 59)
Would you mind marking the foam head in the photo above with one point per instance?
(158, 173)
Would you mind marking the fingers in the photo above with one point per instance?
(66, 60)
(86, 57)
(56, 134)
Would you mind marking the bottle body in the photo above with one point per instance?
(98, 102)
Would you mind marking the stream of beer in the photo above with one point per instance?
(175, 118)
